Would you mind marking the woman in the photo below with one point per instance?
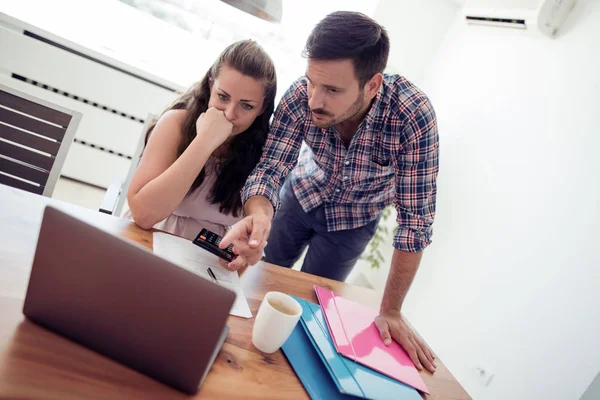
(205, 145)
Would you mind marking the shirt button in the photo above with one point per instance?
(345, 178)
(346, 162)
(337, 190)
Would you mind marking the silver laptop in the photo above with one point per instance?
(118, 299)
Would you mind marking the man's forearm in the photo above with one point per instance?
(402, 272)
(259, 204)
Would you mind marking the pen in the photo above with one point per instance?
(212, 275)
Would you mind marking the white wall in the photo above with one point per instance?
(512, 277)
(416, 30)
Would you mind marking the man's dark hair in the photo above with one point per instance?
(344, 35)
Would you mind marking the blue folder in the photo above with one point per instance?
(326, 374)
(311, 371)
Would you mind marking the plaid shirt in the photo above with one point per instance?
(393, 157)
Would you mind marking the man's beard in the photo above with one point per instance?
(351, 112)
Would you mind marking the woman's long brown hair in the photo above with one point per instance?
(248, 58)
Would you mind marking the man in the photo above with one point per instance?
(371, 140)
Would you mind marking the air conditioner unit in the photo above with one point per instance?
(547, 16)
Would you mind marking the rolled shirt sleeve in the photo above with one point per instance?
(416, 174)
(280, 152)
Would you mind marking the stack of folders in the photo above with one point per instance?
(337, 353)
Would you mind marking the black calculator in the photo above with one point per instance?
(210, 241)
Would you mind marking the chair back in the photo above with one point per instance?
(135, 160)
(35, 136)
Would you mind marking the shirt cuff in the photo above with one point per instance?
(410, 240)
(261, 189)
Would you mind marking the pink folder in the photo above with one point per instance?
(356, 337)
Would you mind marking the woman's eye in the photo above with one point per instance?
(247, 106)
(222, 97)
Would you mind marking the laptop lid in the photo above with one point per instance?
(118, 299)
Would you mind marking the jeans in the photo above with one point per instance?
(330, 254)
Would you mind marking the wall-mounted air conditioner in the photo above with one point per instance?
(547, 16)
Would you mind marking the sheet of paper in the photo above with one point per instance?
(187, 255)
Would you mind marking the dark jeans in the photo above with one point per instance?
(330, 254)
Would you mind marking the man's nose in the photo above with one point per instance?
(315, 99)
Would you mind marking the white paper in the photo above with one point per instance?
(187, 255)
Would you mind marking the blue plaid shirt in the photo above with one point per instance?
(392, 158)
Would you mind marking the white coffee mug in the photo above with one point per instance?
(277, 316)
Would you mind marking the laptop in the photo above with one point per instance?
(119, 299)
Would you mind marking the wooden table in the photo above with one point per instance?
(36, 363)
